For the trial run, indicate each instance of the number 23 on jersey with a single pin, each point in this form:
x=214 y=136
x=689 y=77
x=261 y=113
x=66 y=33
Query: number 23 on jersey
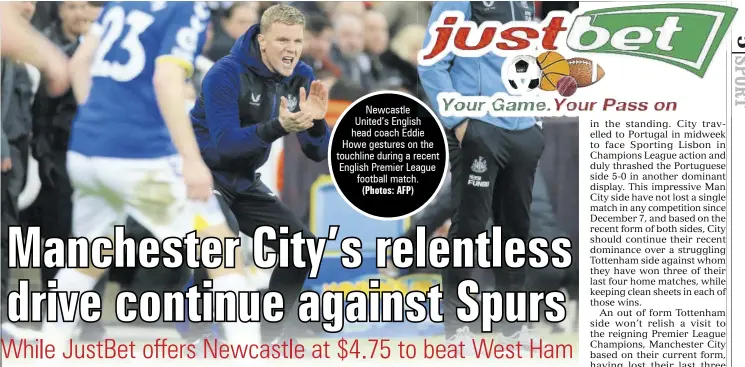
x=114 y=23
x=121 y=55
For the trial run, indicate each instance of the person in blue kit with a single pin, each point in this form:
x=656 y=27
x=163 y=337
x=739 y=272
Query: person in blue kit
x=137 y=156
x=250 y=98
x=493 y=159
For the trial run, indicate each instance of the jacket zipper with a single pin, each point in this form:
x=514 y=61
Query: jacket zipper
x=478 y=70
x=514 y=18
x=275 y=111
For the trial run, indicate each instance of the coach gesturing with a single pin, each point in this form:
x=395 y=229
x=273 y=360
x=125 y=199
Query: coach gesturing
x=257 y=94
x=493 y=159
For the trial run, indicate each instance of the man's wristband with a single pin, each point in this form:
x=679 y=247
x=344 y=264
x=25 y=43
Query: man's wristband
x=270 y=131
x=318 y=129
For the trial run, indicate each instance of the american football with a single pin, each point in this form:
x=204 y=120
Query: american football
x=585 y=71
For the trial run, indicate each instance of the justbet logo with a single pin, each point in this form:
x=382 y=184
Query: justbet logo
x=684 y=35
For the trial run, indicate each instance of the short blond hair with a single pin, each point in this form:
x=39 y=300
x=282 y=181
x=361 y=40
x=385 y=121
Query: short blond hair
x=281 y=13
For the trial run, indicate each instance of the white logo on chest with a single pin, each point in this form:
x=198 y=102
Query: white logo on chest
x=291 y=103
x=255 y=99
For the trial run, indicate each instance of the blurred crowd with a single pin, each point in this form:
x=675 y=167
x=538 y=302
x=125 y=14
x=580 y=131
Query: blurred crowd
x=354 y=47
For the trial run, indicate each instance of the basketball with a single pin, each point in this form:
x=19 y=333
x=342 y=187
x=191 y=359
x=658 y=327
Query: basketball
x=553 y=68
x=566 y=86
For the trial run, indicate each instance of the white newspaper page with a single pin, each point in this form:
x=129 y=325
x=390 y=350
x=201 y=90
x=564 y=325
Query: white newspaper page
x=654 y=88
x=736 y=112
x=655 y=223
x=509 y=183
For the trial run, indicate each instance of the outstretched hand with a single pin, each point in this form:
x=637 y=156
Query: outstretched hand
x=316 y=102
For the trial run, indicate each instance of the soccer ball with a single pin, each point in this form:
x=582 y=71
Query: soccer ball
x=524 y=74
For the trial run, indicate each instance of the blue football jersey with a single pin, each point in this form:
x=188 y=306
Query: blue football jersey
x=121 y=118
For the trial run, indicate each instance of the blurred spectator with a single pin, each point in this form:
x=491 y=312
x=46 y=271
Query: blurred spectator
x=45 y=14
x=239 y=18
x=51 y=131
x=339 y=90
x=348 y=51
x=219 y=5
x=203 y=63
x=376 y=43
x=404 y=13
x=376 y=33
x=402 y=57
x=355 y=8
x=72 y=22
x=315 y=8
x=52 y=120
x=264 y=5
x=17 y=87
x=319 y=34
x=407 y=43
x=228 y=27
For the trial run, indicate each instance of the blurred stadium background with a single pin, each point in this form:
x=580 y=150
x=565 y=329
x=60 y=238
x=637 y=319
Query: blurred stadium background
x=355 y=47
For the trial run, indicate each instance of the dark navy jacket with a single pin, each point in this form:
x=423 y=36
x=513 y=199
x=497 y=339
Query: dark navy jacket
x=236 y=120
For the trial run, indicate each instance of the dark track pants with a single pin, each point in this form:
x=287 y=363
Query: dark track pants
x=256 y=207
x=492 y=177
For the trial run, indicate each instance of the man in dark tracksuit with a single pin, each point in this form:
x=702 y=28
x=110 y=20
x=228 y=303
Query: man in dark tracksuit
x=51 y=132
x=493 y=159
x=249 y=99
x=52 y=122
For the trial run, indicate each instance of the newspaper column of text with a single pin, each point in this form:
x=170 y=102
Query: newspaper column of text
x=657 y=245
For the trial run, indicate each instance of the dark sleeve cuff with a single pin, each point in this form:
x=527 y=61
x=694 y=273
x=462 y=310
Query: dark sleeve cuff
x=270 y=131
x=319 y=128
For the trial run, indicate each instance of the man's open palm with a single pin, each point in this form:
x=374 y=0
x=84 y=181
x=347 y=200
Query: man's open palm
x=316 y=102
